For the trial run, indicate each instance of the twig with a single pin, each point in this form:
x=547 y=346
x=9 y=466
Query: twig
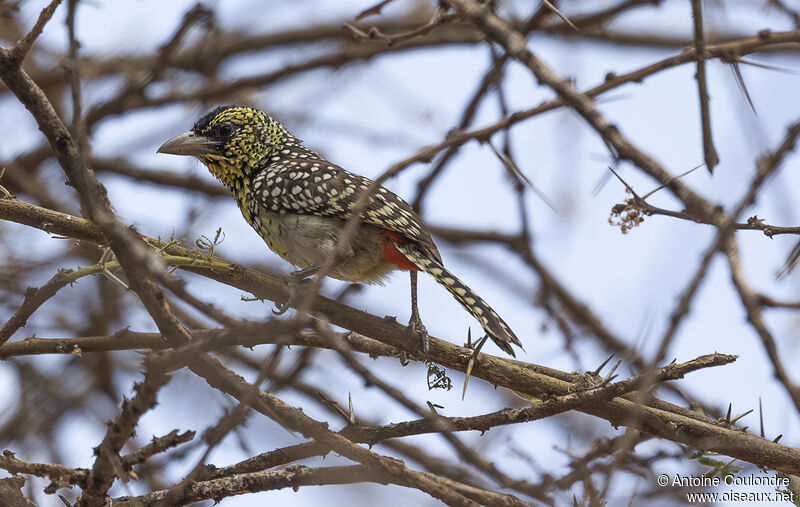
x=709 y=151
x=295 y=476
x=20 y=50
x=108 y=464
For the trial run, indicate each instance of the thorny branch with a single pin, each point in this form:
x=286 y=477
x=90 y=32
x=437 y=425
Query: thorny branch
x=191 y=67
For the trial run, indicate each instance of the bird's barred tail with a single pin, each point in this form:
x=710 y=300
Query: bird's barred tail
x=495 y=327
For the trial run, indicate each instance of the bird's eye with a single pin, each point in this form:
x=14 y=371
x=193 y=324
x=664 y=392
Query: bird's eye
x=224 y=130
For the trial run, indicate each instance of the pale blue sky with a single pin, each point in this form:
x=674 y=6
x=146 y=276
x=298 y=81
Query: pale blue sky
x=410 y=100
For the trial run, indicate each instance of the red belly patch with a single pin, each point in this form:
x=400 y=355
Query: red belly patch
x=392 y=254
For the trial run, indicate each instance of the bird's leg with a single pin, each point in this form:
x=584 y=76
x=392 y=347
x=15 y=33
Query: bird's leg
x=293 y=281
x=415 y=323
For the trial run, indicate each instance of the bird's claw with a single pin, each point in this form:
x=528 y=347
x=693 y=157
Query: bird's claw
x=404 y=358
x=280 y=308
x=418 y=327
x=293 y=280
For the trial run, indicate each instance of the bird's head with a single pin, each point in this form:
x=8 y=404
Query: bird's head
x=230 y=140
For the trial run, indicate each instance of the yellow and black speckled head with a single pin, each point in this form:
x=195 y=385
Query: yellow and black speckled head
x=231 y=141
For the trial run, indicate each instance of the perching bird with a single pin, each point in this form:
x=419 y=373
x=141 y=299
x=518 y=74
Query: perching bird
x=299 y=203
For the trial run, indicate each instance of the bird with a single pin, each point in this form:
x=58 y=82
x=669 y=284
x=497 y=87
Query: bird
x=299 y=203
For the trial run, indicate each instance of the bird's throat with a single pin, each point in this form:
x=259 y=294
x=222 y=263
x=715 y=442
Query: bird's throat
x=229 y=174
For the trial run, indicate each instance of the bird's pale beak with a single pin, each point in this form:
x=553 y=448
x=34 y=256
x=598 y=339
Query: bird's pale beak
x=190 y=144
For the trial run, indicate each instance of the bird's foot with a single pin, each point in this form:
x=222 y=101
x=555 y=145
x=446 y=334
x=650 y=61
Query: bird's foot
x=294 y=281
x=416 y=325
x=404 y=358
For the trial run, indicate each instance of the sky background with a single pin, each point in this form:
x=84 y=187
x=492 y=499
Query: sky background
x=366 y=117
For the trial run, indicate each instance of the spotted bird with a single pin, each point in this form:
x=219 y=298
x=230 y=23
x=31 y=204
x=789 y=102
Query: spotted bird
x=299 y=203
